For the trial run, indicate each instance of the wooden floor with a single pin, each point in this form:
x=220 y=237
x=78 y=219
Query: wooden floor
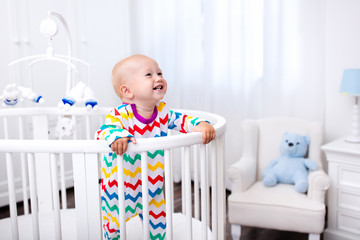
x=248 y=233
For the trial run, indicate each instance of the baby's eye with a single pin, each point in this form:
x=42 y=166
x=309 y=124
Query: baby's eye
x=160 y=74
x=148 y=75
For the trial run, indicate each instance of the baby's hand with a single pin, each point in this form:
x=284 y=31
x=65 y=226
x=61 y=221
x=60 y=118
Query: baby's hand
x=207 y=131
x=119 y=146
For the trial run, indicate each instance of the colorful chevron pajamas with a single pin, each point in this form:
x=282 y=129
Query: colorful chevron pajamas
x=124 y=121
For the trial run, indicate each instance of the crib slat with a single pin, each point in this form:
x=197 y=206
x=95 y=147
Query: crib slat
x=87 y=127
x=204 y=179
x=121 y=189
x=80 y=196
x=73 y=118
x=196 y=182
x=214 y=189
x=24 y=183
x=33 y=198
x=172 y=180
x=42 y=164
x=207 y=185
x=62 y=176
x=55 y=195
x=93 y=200
x=23 y=168
x=168 y=195
x=62 y=181
x=183 y=203
x=220 y=143
x=145 y=194
x=11 y=186
x=12 y=198
x=5 y=128
x=187 y=183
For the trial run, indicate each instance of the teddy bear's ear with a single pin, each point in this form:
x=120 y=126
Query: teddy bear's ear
x=307 y=140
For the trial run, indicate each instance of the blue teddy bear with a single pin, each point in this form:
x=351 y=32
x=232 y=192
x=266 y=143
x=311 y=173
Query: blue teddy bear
x=291 y=167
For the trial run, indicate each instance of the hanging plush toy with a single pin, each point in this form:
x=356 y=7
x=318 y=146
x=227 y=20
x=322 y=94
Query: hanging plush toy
x=65 y=127
x=89 y=100
x=79 y=93
x=13 y=94
x=291 y=167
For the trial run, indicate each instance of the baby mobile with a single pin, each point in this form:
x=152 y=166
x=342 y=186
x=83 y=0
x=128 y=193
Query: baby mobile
x=76 y=92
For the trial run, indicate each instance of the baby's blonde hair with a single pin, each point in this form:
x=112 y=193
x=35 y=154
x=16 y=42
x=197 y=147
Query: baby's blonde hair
x=118 y=76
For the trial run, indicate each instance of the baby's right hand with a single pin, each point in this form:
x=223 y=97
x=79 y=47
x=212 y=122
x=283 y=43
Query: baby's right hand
x=119 y=146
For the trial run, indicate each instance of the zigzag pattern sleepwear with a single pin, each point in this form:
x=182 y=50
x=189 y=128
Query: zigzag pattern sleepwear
x=124 y=121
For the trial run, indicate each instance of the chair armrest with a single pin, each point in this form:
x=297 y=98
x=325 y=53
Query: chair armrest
x=242 y=174
x=319 y=182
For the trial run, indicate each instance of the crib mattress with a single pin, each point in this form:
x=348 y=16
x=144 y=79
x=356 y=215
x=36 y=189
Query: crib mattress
x=68 y=224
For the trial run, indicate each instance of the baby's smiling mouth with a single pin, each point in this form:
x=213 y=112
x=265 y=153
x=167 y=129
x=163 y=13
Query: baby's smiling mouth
x=158 y=87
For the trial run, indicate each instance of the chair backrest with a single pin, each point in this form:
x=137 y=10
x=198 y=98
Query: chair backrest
x=270 y=131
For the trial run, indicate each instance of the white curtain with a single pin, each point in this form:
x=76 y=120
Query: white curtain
x=237 y=58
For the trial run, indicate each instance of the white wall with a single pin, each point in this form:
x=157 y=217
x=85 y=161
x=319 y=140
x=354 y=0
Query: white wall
x=342 y=51
x=101 y=38
x=5 y=40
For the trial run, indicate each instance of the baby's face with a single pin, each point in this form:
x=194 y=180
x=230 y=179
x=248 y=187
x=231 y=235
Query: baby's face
x=146 y=81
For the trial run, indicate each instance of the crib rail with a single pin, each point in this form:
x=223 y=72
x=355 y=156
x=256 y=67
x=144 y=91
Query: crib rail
x=41 y=123
x=85 y=157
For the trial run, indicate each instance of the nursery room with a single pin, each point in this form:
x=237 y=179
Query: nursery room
x=246 y=119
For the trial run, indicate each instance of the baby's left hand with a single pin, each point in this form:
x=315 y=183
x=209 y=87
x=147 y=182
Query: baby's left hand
x=207 y=131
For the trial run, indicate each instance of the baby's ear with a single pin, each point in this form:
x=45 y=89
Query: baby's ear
x=125 y=92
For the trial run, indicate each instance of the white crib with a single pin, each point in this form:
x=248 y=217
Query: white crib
x=39 y=175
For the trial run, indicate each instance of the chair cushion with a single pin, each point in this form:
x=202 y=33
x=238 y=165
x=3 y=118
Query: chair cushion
x=279 y=207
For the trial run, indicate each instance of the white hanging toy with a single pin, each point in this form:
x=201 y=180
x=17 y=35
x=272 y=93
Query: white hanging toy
x=12 y=94
x=64 y=127
x=79 y=93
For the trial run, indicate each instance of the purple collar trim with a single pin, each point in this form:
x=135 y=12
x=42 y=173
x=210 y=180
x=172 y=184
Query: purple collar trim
x=142 y=119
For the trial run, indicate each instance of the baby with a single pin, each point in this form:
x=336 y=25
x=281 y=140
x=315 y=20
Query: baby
x=139 y=83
